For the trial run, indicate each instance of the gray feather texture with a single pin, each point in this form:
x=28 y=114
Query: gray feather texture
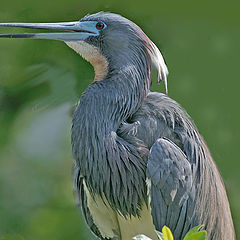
x=172 y=186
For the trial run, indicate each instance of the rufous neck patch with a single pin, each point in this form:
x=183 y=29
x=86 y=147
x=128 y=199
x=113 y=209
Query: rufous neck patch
x=92 y=55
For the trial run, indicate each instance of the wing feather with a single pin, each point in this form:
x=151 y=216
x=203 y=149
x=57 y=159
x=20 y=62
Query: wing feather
x=171 y=187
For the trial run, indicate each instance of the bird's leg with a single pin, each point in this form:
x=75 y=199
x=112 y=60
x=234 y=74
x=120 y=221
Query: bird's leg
x=128 y=131
x=128 y=128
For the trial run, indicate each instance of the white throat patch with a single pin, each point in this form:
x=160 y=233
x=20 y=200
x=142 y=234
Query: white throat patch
x=91 y=54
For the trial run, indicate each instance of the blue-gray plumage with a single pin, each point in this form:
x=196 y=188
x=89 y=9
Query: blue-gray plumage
x=140 y=162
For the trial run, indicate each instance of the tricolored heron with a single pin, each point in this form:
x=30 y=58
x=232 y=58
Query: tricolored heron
x=140 y=162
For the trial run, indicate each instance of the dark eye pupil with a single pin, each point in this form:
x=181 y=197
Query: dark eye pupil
x=99 y=25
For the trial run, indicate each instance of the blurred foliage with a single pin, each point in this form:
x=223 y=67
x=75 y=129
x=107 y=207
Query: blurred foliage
x=196 y=234
x=41 y=80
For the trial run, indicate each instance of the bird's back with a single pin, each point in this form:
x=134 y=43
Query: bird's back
x=160 y=117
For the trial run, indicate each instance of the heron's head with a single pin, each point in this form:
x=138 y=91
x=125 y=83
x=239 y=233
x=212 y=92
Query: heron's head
x=108 y=41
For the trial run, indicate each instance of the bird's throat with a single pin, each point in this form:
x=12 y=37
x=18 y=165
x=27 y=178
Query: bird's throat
x=92 y=55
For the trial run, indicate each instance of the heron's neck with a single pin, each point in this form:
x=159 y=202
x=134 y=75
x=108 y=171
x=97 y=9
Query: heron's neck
x=103 y=157
x=106 y=104
x=134 y=62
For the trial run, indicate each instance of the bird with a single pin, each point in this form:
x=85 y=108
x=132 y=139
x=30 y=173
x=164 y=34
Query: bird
x=139 y=160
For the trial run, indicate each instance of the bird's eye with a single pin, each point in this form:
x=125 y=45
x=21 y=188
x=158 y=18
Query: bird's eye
x=100 y=25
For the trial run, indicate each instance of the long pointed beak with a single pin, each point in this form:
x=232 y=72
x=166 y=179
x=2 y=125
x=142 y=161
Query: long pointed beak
x=72 y=30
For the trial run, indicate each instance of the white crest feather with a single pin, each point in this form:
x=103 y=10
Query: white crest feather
x=159 y=64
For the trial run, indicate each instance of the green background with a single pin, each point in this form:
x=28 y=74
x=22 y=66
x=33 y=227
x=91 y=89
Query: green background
x=41 y=80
